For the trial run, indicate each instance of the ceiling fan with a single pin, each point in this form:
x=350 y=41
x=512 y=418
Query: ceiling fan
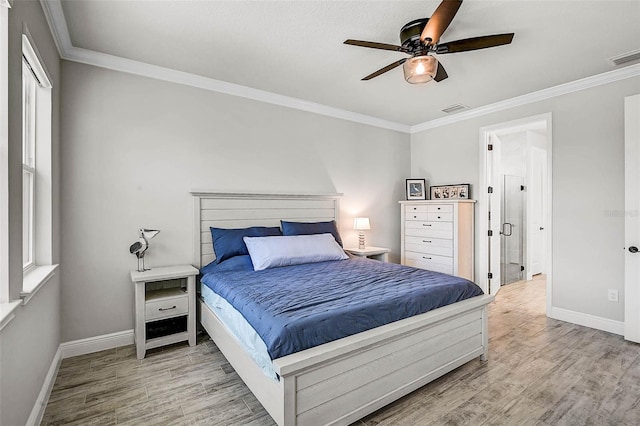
x=420 y=39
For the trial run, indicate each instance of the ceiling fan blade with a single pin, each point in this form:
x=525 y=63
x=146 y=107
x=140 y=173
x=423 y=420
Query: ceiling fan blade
x=475 y=43
x=385 y=69
x=439 y=21
x=375 y=45
x=441 y=74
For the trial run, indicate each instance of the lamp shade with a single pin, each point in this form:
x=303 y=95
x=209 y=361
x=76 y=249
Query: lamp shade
x=420 y=69
x=361 y=223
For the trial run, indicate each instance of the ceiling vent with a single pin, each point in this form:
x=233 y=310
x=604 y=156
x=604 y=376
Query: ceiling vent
x=454 y=108
x=634 y=55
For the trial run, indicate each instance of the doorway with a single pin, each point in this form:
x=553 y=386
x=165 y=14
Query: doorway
x=515 y=203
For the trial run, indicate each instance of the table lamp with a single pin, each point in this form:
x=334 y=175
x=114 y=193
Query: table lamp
x=361 y=224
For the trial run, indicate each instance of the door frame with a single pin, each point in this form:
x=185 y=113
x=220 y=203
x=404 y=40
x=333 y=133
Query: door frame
x=632 y=221
x=489 y=166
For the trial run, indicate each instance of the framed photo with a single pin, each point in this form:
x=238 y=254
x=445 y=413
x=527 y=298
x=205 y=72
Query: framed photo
x=416 y=189
x=460 y=191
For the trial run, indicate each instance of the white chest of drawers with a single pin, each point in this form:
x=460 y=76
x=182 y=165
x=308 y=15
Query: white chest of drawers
x=438 y=235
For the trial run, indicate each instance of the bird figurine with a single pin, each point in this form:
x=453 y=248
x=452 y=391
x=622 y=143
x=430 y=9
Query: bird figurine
x=140 y=247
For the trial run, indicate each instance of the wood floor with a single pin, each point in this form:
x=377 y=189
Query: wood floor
x=540 y=372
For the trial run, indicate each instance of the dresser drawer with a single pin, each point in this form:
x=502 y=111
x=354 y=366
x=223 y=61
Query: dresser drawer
x=440 y=208
x=442 y=230
x=440 y=217
x=445 y=268
x=416 y=209
x=437 y=246
x=411 y=216
x=166 y=308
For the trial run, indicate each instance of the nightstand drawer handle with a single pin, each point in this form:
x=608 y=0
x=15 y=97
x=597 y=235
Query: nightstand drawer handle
x=426 y=241
x=167 y=309
x=425 y=257
x=426 y=224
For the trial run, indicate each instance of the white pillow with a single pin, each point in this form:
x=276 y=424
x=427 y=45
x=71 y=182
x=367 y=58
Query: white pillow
x=271 y=252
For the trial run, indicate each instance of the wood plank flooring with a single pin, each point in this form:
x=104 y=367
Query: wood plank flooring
x=540 y=372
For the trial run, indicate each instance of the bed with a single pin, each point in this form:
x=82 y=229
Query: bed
x=343 y=380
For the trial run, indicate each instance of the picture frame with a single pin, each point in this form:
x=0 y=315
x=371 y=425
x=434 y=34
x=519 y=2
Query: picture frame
x=459 y=191
x=416 y=189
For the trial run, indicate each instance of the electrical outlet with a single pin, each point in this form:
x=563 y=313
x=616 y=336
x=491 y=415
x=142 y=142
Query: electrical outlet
x=613 y=295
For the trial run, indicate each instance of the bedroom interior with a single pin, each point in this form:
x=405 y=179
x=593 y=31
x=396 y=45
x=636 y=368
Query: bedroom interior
x=141 y=119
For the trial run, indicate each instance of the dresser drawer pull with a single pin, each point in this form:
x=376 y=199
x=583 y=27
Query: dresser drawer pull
x=438 y=208
x=426 y=241
x=167 y=309
x=438 y=217
x=426 y=257
x=426 y=224
x=415 y=208
x=415 y=217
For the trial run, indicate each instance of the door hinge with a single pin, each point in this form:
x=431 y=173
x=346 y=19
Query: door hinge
x=490 y=233
x=490 y=275
x=490 y=147
x=490 y=189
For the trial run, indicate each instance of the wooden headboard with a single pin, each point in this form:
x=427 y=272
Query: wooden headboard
x=240 y=210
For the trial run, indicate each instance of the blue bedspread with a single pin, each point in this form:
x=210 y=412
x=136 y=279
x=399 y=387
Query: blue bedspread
x=298 y=307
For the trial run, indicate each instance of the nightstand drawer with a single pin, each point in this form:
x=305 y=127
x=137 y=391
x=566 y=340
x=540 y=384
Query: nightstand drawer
x=166 y=308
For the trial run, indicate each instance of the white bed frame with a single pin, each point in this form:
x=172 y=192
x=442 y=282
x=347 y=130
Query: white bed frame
x=344 y=380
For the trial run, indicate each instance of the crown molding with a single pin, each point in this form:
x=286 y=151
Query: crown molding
x=58 y=25
x=529 y=98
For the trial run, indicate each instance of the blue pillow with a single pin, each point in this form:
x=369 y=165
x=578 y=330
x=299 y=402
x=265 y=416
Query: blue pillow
x=310 y=228
x=228 y=243
x=237 y=263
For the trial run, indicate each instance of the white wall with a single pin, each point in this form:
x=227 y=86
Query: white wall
x=133 y=147
x=28 y=344
x=588 y=184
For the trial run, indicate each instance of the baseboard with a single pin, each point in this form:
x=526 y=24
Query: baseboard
x=43 y=398
x=96 y=344
x=588 y=320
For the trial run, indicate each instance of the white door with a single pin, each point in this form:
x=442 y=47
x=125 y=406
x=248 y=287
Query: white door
x=495 y=213
x=632 y=218
x=536 y=208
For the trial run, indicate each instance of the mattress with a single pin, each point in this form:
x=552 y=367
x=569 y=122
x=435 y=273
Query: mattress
x=297 y=307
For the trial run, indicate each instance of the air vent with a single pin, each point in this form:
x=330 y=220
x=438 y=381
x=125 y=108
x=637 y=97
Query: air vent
x=634 y=55
x=454 y=108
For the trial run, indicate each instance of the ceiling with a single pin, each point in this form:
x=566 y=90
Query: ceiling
x=294 y=48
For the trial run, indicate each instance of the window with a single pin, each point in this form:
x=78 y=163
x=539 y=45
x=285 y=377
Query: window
x=29 y=100
x=37 y=214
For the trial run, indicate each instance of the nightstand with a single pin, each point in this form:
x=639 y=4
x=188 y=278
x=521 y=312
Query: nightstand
x=165 y=306
x=377 y=253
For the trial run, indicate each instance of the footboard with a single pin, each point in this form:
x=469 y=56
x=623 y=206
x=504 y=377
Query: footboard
x=342 y=381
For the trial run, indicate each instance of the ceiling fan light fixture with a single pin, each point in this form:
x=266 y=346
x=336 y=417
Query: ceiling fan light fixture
x=420 y=69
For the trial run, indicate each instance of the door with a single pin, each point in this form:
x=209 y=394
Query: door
x=512 y=232
x=535 y=194
x=494 y=196
x=632 y=218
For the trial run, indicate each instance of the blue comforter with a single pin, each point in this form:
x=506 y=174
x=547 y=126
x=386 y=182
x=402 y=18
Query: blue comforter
x=298 y=307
